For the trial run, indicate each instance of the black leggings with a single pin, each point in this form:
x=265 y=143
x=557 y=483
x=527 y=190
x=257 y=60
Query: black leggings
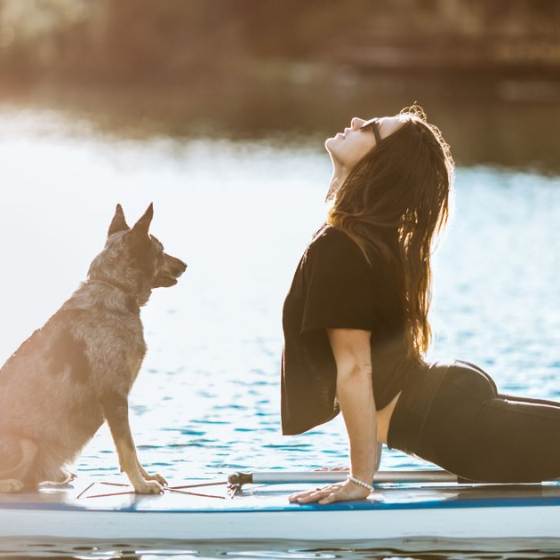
x=471 y=430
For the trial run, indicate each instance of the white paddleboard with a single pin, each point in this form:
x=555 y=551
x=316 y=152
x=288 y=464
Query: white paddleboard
x=205 y=511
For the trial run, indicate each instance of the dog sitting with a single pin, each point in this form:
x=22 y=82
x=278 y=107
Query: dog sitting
x=76 y=371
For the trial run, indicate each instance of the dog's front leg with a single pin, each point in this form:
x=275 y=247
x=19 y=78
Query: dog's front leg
x=115 y=409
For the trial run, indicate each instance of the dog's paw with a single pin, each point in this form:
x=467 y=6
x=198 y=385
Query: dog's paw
x=148 y=487
x=157 y=477
x=70 y=476
x=11 y=485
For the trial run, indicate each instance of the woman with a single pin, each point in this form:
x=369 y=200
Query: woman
x=356 y=325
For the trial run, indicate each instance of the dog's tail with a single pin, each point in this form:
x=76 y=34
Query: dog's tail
x=23 y=451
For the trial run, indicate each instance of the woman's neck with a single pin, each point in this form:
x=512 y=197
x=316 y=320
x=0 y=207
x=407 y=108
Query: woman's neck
x=337 y=179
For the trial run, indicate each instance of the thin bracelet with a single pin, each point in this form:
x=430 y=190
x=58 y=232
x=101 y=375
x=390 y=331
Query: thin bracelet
x=359 y=482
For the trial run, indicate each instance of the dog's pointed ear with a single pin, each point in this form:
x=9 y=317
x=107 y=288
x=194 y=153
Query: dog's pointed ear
x=118 y=223
x=143 y=224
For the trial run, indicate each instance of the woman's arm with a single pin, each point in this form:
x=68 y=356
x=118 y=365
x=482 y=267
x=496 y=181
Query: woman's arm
x=354 y=389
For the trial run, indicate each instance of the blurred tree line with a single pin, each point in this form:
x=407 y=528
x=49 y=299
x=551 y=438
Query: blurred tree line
x=293 y=68
x=179 y=41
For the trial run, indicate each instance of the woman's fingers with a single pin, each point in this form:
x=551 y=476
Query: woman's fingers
x=344 y=493
x=311 y=495
x=330 y=499
x=336 y=496
x=330 y=494
x=299 y=496
x=312 y=490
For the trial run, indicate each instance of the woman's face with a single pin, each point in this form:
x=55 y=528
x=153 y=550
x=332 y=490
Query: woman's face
x=349 y=147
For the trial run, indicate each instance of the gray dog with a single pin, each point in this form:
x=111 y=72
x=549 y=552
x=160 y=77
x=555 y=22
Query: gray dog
x=77 y=371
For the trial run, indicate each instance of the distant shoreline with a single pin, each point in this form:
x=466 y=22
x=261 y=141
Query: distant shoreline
x=505 y=123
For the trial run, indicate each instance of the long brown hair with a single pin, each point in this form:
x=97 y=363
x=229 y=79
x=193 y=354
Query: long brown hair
x=393 y=203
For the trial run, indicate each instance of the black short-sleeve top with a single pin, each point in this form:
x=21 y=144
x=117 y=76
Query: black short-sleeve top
x=334 y=286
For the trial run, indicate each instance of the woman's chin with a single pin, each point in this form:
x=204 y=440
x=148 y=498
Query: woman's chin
x=330 y=143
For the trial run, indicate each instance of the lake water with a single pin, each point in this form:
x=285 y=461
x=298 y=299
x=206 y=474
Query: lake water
x=240 y=214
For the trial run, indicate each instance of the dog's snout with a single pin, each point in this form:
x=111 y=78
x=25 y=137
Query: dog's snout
x=178 y=266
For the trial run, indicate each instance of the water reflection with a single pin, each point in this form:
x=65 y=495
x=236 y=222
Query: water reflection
x=496 y=122
x=409 y=550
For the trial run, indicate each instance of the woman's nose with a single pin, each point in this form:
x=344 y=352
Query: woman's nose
x=356 y=122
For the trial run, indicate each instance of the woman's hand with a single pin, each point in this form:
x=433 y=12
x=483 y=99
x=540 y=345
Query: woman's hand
x=341 y=492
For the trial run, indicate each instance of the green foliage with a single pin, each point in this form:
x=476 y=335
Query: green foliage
x=176 y=41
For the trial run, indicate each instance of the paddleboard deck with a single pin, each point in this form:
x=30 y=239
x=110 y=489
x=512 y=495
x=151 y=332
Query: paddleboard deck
x=205 y=511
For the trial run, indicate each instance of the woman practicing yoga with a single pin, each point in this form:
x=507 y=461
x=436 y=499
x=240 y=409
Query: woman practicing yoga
x=356 y=325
